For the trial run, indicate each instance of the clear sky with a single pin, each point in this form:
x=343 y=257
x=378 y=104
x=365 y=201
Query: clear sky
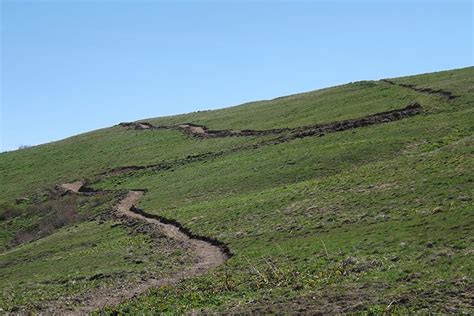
x=72 y=66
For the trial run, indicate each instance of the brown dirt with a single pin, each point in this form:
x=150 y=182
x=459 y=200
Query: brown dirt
x=210 y=253
x=378 y=118
x=137 y=125
x=72 y=187
x=193 y=129
x=298 y=132
x=282 y=135
x=208 y=256
x=436 y=92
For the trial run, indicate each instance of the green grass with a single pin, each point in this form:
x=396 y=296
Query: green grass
x=79 y=259
x=387 y=212
x=321 y=106
x=373 y=218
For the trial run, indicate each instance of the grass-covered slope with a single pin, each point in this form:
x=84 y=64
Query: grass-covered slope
x=374 y=218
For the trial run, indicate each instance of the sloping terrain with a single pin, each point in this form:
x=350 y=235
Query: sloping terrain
x=351 y=198
x=208 y=255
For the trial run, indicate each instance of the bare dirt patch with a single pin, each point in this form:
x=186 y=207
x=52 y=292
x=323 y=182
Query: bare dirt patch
x=137 y=125
x=72 y=187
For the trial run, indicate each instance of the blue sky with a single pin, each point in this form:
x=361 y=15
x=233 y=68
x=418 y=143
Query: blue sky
x=72 y=66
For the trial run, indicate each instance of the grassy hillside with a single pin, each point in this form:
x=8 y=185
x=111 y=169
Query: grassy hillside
x=375 y=218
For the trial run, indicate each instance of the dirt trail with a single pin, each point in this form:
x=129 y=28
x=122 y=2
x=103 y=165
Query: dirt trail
x=137 y=125
x=282 y=135
x=447 y=95
x=295 y=132
x=209 y=256
x=193 y=129
x=210 y=253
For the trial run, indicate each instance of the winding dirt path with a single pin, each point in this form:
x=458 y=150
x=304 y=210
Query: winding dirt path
x=295 y=132
x=208 y=255
x=317 y=130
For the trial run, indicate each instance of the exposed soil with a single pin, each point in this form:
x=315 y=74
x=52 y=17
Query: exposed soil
x=71 y=187
x=203 y=131
x=193 y=129
x=209 y=252
x=379 y=118
x=297 y=132
x=137 y=125
x=282 y=135
x=436 y=92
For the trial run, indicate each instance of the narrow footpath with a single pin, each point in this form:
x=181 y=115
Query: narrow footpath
x=208 y=255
